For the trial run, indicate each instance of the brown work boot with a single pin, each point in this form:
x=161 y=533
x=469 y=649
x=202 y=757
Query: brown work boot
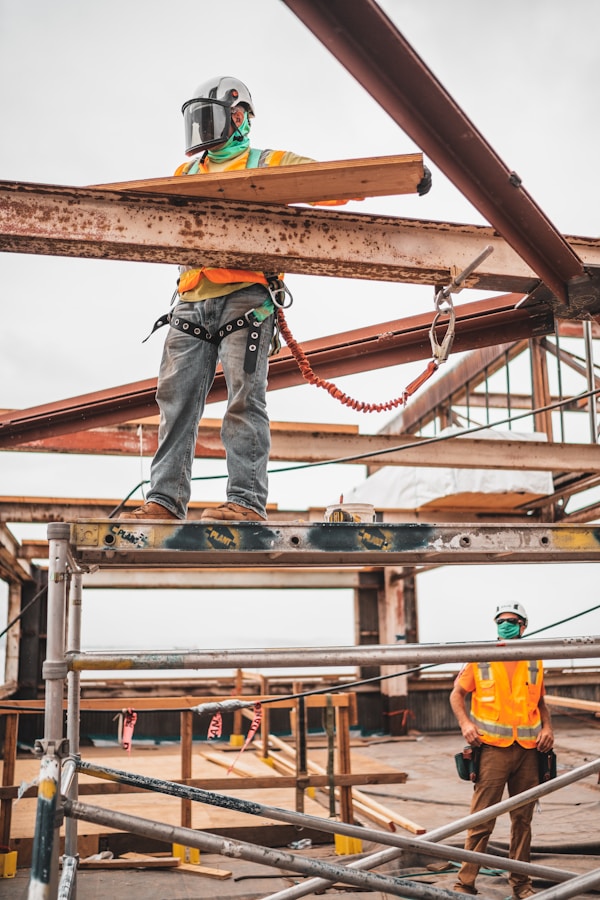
x=522 y=893
x=230 y=512
x=460 y=888
x=148 y=510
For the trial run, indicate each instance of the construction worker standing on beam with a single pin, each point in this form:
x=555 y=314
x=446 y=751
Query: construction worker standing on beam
x=510 y=724
x=221 y=315
x=224 y=315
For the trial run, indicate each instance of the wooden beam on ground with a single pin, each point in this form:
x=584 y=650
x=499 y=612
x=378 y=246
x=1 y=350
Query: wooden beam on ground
x=347 y=179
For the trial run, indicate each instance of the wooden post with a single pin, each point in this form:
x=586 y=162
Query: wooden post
x=8 y=775
x=344 y=766
x=540 y=387
x=301 y=762
x=186 y=763
x=237 y=739
x=266 y=719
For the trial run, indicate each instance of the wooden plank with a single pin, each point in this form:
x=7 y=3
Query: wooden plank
x=132 y=861
x=206 y=871
x=9 y=758
x=243 y=783
x=573 y=703
x=347 y=179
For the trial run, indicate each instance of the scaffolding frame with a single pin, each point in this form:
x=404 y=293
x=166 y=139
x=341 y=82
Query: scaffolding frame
x=60 y=763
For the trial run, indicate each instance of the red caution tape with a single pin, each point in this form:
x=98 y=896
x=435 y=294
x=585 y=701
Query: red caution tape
x=251 y=732
x=129 y=720
x=215 y=728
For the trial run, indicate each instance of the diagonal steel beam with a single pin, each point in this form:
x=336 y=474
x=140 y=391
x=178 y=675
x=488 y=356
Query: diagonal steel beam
x=390 y=343
x=372 y=49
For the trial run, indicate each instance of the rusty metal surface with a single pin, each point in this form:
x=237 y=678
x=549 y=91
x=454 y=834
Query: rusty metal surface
x=391 y=343
x=372 y=49
x=83 y=222
x=147 y=543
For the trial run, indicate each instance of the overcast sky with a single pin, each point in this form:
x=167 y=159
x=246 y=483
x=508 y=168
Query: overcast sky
x=92 y=93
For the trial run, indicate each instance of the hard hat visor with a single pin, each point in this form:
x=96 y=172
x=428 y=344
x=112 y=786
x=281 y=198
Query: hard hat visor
x=206 y=123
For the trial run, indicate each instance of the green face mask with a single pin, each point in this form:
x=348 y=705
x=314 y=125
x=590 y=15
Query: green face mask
x=236 y=144
x=508 y=630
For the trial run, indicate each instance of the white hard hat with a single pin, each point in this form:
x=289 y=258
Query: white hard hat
x=515 y=608
x=207 y=116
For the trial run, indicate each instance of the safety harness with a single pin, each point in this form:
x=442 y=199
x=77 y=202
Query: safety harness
x=253 y=318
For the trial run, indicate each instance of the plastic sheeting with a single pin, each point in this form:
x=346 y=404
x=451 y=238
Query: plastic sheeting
x=399 y=487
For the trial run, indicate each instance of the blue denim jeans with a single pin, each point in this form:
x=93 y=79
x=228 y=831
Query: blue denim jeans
x=186 y=374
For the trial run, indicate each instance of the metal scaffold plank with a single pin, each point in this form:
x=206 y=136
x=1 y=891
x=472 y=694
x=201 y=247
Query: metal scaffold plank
x=122 y=543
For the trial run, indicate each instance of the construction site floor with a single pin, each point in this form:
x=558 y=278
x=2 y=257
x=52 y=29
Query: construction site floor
x=565 y=828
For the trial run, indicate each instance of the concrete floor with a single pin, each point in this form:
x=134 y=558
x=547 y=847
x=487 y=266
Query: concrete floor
x=565 y=829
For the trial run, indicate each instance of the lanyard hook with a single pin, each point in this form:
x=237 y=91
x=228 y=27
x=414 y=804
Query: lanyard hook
x=445 y=307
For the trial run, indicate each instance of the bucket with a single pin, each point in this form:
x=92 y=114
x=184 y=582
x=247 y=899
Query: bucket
x=350 y=512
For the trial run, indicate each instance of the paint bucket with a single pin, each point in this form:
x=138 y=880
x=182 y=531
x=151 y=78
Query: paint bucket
x=350 y=512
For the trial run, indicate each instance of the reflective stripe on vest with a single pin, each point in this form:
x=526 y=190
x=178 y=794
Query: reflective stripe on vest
x=505 y=713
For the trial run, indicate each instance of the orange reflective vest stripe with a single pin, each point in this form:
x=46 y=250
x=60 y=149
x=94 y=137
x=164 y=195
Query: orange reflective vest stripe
x=190 y=278
x=506 y=713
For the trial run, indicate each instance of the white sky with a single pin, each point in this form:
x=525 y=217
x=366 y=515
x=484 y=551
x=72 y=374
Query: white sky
x=91 y=93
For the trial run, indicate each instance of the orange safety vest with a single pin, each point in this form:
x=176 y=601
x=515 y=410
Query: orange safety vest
x=190 y=278
x=504 y=713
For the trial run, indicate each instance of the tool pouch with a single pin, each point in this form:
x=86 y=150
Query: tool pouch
x=546 y=765
x=467 y=763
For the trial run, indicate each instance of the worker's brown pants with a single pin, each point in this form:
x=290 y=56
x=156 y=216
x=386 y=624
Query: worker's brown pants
x=499 y=766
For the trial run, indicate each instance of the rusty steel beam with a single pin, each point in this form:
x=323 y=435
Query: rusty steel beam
x=373 y=50
x=97 y=224
x=391 y=343
x=295 y=443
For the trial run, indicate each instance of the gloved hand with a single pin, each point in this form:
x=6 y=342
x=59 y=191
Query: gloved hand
x=424 y=186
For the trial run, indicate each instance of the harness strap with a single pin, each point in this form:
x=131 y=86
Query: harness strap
x=252 y=320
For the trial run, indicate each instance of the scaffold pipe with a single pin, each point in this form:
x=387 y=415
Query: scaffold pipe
x=584 y=647
x=304 y=820
x=213 y=843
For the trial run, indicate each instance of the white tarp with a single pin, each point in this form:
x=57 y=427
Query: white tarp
x=402 y=487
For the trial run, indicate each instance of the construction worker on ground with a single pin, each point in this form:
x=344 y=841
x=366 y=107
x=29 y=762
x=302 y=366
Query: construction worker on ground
x=510 y=722
x=224 y=315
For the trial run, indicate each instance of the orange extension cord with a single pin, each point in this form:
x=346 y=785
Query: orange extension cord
x=360 y=406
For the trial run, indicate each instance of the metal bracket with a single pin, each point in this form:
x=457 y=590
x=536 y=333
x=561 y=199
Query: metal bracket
x=42 y=747
x=583 y=297
x=54 y=671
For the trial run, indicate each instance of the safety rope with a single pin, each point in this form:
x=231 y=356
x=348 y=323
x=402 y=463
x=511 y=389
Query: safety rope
x=440 y=350
x=311 y=376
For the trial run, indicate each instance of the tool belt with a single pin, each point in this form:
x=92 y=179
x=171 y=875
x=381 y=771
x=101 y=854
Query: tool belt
x=467 y=763
x=252 y=320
